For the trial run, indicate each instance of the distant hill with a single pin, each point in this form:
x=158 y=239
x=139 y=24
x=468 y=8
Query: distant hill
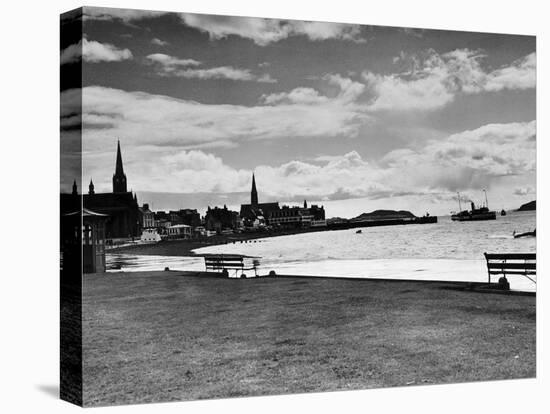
x=384 y=215
x=530 y=206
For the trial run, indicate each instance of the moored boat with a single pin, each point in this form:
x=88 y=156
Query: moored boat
x=526 y=234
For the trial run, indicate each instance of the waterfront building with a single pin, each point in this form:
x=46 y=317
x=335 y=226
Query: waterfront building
x=147 y=217
x=179 y=231
x=188 y=216
x=298 y=217
x=220 y=219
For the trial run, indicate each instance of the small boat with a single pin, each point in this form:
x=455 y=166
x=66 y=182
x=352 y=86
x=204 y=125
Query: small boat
x=502 y=212
x=359 y=231
x=526 y=234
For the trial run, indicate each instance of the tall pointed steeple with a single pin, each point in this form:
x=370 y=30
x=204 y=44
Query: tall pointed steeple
x=254 y=192
x=119 y=178
x=75 y=188
x=91 y=187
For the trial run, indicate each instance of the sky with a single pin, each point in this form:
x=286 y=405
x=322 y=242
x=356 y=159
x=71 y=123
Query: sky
x=354 y=117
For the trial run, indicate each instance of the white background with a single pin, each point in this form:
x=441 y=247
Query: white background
x=29 y=163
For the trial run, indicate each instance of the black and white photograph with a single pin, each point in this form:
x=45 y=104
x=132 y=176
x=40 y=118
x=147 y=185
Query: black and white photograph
x=264 y=206
x=274 y=207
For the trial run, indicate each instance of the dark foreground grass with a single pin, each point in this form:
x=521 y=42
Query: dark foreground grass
x=164 y=336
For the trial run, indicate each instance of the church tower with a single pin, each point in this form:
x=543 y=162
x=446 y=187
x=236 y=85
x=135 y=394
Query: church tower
x=254 y=193
x=91 y=188
x=119 y=178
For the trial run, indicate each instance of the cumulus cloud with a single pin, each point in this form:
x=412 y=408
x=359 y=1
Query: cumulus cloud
x=171 y=66
x=159 y=42
x=433 y=80
x=470 y=159
x=466 y=162
x=521 y=74
x=166 y=121
x=265 y=31
x=94 y=52
x=348 y=92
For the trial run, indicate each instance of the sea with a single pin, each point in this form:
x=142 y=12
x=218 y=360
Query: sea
x=446 y=250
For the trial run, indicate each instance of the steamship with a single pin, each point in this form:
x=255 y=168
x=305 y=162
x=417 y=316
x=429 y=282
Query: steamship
x=475 y=214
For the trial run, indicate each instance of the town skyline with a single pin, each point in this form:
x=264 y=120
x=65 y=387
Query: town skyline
x=364 y=117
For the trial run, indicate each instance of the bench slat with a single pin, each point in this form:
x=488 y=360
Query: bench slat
x=511 y=256
x=503 y=266
x=223 y=261
x=512 y=272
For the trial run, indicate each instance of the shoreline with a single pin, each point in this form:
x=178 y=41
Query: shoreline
x=185 y=247
x=414 y=269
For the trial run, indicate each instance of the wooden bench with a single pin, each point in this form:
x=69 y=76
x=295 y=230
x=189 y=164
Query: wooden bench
x=236 y=262
x=512 y=264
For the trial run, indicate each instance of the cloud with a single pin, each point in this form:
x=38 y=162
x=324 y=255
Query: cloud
x=171 y=66
x=298 y=95
x=223 y=72
x=465 y=162
x=159 y=42
x=261 y=30
x=433 y=80
x=125 y=15
x=94 y=52
x=522 y=74
x=265 y=31
x=170 y=63
x=523 y=191
x=160 y=120
x=348 y=92
x=470 y=159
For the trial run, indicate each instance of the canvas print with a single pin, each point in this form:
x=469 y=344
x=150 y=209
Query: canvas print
x=255 y=206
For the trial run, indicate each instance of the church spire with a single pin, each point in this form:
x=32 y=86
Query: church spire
x=119 y=178
x=254 y=192
x=91 y=187
x=75 y=188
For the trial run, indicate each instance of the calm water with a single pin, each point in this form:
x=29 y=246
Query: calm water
x=443 y=251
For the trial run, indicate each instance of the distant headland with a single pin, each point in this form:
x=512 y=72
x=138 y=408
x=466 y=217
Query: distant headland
x=530 y=206
x=385 y=214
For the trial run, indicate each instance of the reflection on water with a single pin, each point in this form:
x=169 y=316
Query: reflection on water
x=134 y=263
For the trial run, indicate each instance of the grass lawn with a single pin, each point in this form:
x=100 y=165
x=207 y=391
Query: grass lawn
x=162 y=336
